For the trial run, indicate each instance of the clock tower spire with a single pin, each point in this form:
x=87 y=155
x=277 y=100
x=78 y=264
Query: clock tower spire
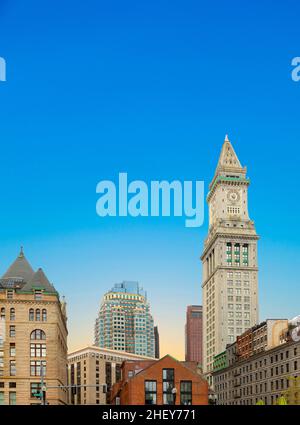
x=229 y=287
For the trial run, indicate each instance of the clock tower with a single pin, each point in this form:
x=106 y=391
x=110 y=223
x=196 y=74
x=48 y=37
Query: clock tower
x=229 y=259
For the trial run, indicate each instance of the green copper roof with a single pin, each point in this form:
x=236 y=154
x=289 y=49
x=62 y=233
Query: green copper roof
x=238 y=179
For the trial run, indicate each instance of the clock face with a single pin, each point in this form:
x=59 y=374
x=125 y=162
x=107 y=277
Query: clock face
x=233 y=196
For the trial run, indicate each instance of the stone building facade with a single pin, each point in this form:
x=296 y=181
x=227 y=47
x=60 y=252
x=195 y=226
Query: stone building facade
x=33 y=337
x=96 y=370
x=230 y=269
x=265 y=376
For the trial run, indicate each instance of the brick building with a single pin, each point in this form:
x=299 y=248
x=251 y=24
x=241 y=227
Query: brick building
x=160 y=382
x=261 y=366
x=262 y=337
x=193 y=334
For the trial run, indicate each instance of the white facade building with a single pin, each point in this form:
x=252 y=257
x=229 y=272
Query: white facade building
x=230 y=270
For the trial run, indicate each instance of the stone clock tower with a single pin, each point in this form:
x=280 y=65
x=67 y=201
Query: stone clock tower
x=230 y=271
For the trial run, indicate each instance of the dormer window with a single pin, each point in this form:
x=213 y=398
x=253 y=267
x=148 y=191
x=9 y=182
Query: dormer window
x=10 y=294
x=37 y=294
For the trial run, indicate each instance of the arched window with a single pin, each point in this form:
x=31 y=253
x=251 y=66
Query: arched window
x=12 y=314
x=44 y=315
x=38 y=315
x=38 y=334
x=2 y=313
x=31 y=315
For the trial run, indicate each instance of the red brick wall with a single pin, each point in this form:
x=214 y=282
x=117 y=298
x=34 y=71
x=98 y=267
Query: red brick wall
x=133 y=391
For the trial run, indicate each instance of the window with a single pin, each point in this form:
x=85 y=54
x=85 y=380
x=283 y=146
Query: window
x=10 y=294
x=130 y=374
x=37 y=350
x=233 y=210
x=38 y=315
x=245 y=255
x=186 y=393
x=37 y=368
x=229 y=253
x=12 y=350
x=31 y=315
x=12 y=331
x=35 y=389
x=1 y=398
x=150 y=392
x=38 y=334
x=118 y=372
x=12 y=398
x=168 y=386
x=37 y=294
x=44 y=315
x=12 y=314
x=12 y=368
x=237 y=254
x=2 y=313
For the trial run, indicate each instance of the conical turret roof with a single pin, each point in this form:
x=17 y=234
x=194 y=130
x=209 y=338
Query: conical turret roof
x=39 y=280
x=20 y=269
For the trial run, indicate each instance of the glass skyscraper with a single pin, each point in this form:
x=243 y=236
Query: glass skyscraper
x=124 y=322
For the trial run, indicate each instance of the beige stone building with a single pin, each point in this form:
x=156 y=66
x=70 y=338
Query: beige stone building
x=92 y=371
x=265 y=376
x=33 y=337
x=230 y=271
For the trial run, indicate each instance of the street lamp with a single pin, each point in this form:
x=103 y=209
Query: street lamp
x=174 y=392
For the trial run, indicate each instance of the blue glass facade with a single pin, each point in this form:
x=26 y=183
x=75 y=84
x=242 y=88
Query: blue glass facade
x=125 y=322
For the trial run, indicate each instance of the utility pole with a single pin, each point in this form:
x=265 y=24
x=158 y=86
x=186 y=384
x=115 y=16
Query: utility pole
x=43 y=386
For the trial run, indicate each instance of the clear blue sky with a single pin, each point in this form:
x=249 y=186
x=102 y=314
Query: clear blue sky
x=150 y=88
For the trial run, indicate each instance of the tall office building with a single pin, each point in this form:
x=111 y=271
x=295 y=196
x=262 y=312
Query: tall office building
x=156 y=342
x=33 y=337
x=230 y=271
x=124 y=322
x=193 y=334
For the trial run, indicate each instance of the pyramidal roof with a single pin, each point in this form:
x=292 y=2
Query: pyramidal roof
x=228 y=157
x=39 y=280
x=20 y=269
